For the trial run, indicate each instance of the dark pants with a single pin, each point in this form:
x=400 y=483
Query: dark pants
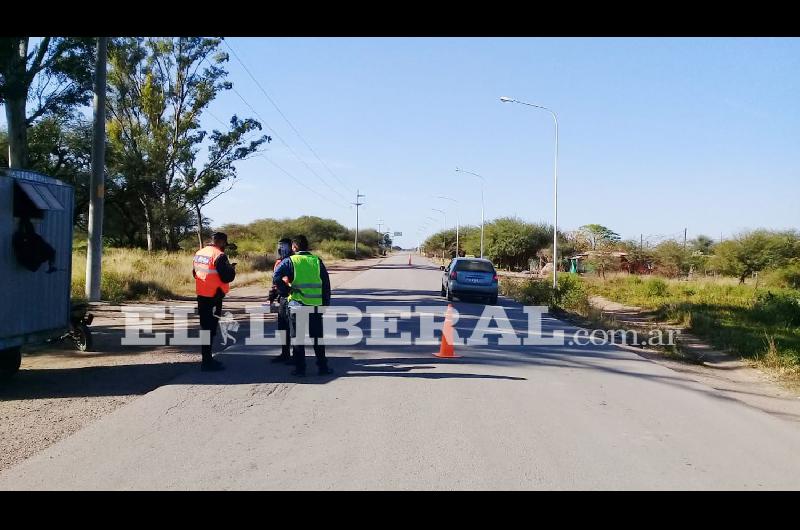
x=207 y=307
x=284 y=325
x=315 y=332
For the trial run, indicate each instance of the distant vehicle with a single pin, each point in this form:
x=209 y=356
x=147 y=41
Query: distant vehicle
x=470 y=278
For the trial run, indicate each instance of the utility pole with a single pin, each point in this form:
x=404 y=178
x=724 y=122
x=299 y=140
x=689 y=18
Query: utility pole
x=641 y=243
x=684 y=239
x=357 y=204
x=380 y=223
x=94 y=252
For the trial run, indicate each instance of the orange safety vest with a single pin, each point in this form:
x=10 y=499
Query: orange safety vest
x=206 y=279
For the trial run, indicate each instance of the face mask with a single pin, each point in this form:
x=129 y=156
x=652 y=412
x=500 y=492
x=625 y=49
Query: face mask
x=284 y=250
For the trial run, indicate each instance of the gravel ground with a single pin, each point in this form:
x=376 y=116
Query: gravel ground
x=59 y=391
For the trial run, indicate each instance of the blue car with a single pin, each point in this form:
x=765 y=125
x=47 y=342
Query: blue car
x=470 y=277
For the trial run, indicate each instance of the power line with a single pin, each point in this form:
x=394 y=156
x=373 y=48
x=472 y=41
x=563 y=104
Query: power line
x=286 y=172
x=279 y=137
x=284 y=116
x=301 y=182
x=274 y=133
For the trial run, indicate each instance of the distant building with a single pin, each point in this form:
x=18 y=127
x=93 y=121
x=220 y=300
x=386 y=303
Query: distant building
x=618 y=260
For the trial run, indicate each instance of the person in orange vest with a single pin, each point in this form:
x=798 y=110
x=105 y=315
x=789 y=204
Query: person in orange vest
x=284 y=251
x=213 y=274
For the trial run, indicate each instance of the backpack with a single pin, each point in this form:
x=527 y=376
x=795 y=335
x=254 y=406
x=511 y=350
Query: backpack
x=30 y=249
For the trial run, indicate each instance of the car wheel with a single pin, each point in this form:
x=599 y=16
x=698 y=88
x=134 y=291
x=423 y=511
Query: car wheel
x=443 y=291
x=493 y=300
x=81 y=337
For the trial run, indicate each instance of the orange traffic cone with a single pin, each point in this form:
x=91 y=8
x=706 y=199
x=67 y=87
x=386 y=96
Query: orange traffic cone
x=446 y=350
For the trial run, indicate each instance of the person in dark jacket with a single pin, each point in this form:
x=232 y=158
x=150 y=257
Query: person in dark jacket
x=213 y=274
x=284 y=251
x=310 y=286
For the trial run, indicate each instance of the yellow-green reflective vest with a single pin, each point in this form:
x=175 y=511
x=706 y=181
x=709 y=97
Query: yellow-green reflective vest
x=307 y=283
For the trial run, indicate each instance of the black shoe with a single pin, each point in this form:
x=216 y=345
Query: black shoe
x=298 y=373
x=281 y=359
x=212 y=366
x=325 y=371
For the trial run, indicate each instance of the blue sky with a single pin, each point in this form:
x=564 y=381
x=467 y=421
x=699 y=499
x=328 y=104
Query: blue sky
x=655 y=134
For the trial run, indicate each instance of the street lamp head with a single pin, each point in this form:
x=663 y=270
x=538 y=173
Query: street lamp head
x=505 y=99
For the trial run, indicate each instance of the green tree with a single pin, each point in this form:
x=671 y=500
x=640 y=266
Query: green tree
x=55 y=75
x=702 y=244
x=440 y=244
x=511 y=242
x=598 y=235
x=369 y=237
x=671 y=257
x=386 y=242
x=62 y=148
x=158 y=89
x=754 y=251
x=639 y=256
x=603 y=261
x=470 y=240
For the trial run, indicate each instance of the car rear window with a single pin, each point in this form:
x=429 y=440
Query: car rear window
x=474 y=266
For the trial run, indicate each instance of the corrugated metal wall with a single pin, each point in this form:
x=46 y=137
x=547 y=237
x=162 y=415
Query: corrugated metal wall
x=35 y=301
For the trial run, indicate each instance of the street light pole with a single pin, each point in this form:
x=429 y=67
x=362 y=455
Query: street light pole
x=458 y=222
x=444 y=229
x=483 y=181
x=420 y=233
x=425 y=226
x=555 y=185
x=357 y=204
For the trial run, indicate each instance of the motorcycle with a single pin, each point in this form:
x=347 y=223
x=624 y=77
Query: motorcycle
x=79 y=333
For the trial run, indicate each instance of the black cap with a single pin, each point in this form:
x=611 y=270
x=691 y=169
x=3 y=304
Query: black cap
x=220 y=235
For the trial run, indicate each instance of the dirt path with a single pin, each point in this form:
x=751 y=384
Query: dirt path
x=735 y=377
x=59 y=391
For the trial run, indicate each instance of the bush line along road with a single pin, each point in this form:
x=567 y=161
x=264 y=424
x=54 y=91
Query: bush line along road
x=397 y=417
x=740 y=294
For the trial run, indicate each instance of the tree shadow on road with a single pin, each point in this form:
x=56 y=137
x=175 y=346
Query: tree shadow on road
x=257 y=369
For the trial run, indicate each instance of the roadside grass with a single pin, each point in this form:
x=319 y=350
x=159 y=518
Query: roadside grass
x=758 y=323
x=571 y=303
x=135 y=274
x=132 y=274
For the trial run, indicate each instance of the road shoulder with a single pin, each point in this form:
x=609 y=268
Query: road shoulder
x=60 y=391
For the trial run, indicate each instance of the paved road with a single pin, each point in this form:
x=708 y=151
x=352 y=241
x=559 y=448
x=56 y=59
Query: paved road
x=395 y=417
